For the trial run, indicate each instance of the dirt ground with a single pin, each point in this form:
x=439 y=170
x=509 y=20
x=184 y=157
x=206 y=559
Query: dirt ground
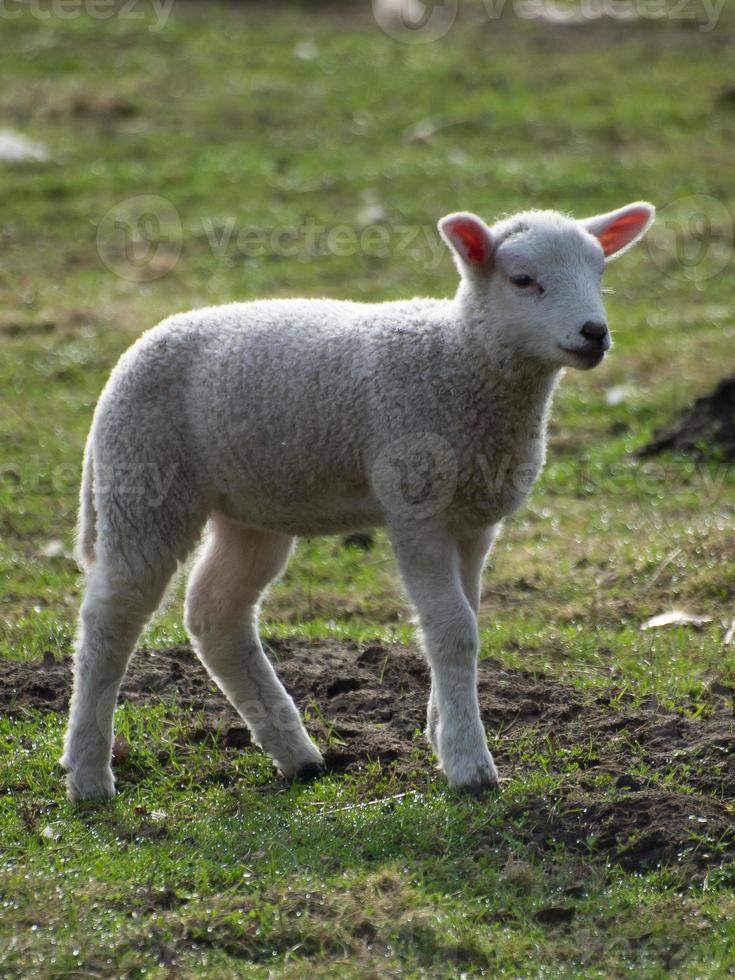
x=368 y=702
x=706 y=429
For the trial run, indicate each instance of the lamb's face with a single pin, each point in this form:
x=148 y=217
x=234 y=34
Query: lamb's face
x=546 y=287
x=538 y=275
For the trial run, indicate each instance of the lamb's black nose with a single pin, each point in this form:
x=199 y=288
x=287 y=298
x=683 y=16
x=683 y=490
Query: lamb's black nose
x=596 y=333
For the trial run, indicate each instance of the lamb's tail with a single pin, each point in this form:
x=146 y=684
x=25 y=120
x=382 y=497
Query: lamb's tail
x=87 y=524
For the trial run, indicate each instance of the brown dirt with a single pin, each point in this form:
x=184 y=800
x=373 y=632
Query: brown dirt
x=705 y=429
x=373 y=700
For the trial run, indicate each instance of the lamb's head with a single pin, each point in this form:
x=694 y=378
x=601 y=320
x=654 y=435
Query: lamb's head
x=534 y=280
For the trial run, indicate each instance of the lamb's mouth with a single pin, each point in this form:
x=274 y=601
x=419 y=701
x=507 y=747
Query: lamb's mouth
x=588 y=356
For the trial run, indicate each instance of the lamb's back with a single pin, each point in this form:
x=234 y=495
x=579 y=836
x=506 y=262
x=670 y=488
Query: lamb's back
x=285 y=400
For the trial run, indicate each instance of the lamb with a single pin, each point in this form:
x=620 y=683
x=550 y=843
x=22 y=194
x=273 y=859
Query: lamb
x=275 y=419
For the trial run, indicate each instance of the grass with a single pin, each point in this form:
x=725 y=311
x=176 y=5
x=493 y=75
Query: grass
x=255 y=877
x=281 y=117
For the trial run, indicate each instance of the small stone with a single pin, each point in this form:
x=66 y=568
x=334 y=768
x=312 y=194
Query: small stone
x=53 y=549
x=121 y=749
x=306 y=51
x=16 y=148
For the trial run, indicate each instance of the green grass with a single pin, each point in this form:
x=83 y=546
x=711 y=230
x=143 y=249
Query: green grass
x=218 y=115
x=255 y=876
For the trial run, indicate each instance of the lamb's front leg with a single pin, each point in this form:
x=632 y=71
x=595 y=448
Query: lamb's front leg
x=429 y=560
x=474 y=547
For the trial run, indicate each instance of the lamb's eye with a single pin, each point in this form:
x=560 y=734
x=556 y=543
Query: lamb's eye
x=522 y=281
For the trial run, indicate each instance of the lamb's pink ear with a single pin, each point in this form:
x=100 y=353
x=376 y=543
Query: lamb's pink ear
x=469 y=237
x=618 y=230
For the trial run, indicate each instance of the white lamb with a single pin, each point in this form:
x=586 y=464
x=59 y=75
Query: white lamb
x=305 y=417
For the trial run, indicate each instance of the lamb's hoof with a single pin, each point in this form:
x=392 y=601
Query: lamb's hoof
x=310 y=772
x=476 y=780
x=90 y=786
x=479 y=788
x=303 y=764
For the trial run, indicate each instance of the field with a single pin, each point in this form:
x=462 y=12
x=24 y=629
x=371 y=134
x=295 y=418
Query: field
x=243 y=150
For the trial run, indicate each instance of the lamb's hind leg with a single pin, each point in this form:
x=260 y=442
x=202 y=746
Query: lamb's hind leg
x=236 y=565
x=116 y=605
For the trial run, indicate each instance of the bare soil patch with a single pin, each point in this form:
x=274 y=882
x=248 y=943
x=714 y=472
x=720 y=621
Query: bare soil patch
x=640 y=785
x=705 y=429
